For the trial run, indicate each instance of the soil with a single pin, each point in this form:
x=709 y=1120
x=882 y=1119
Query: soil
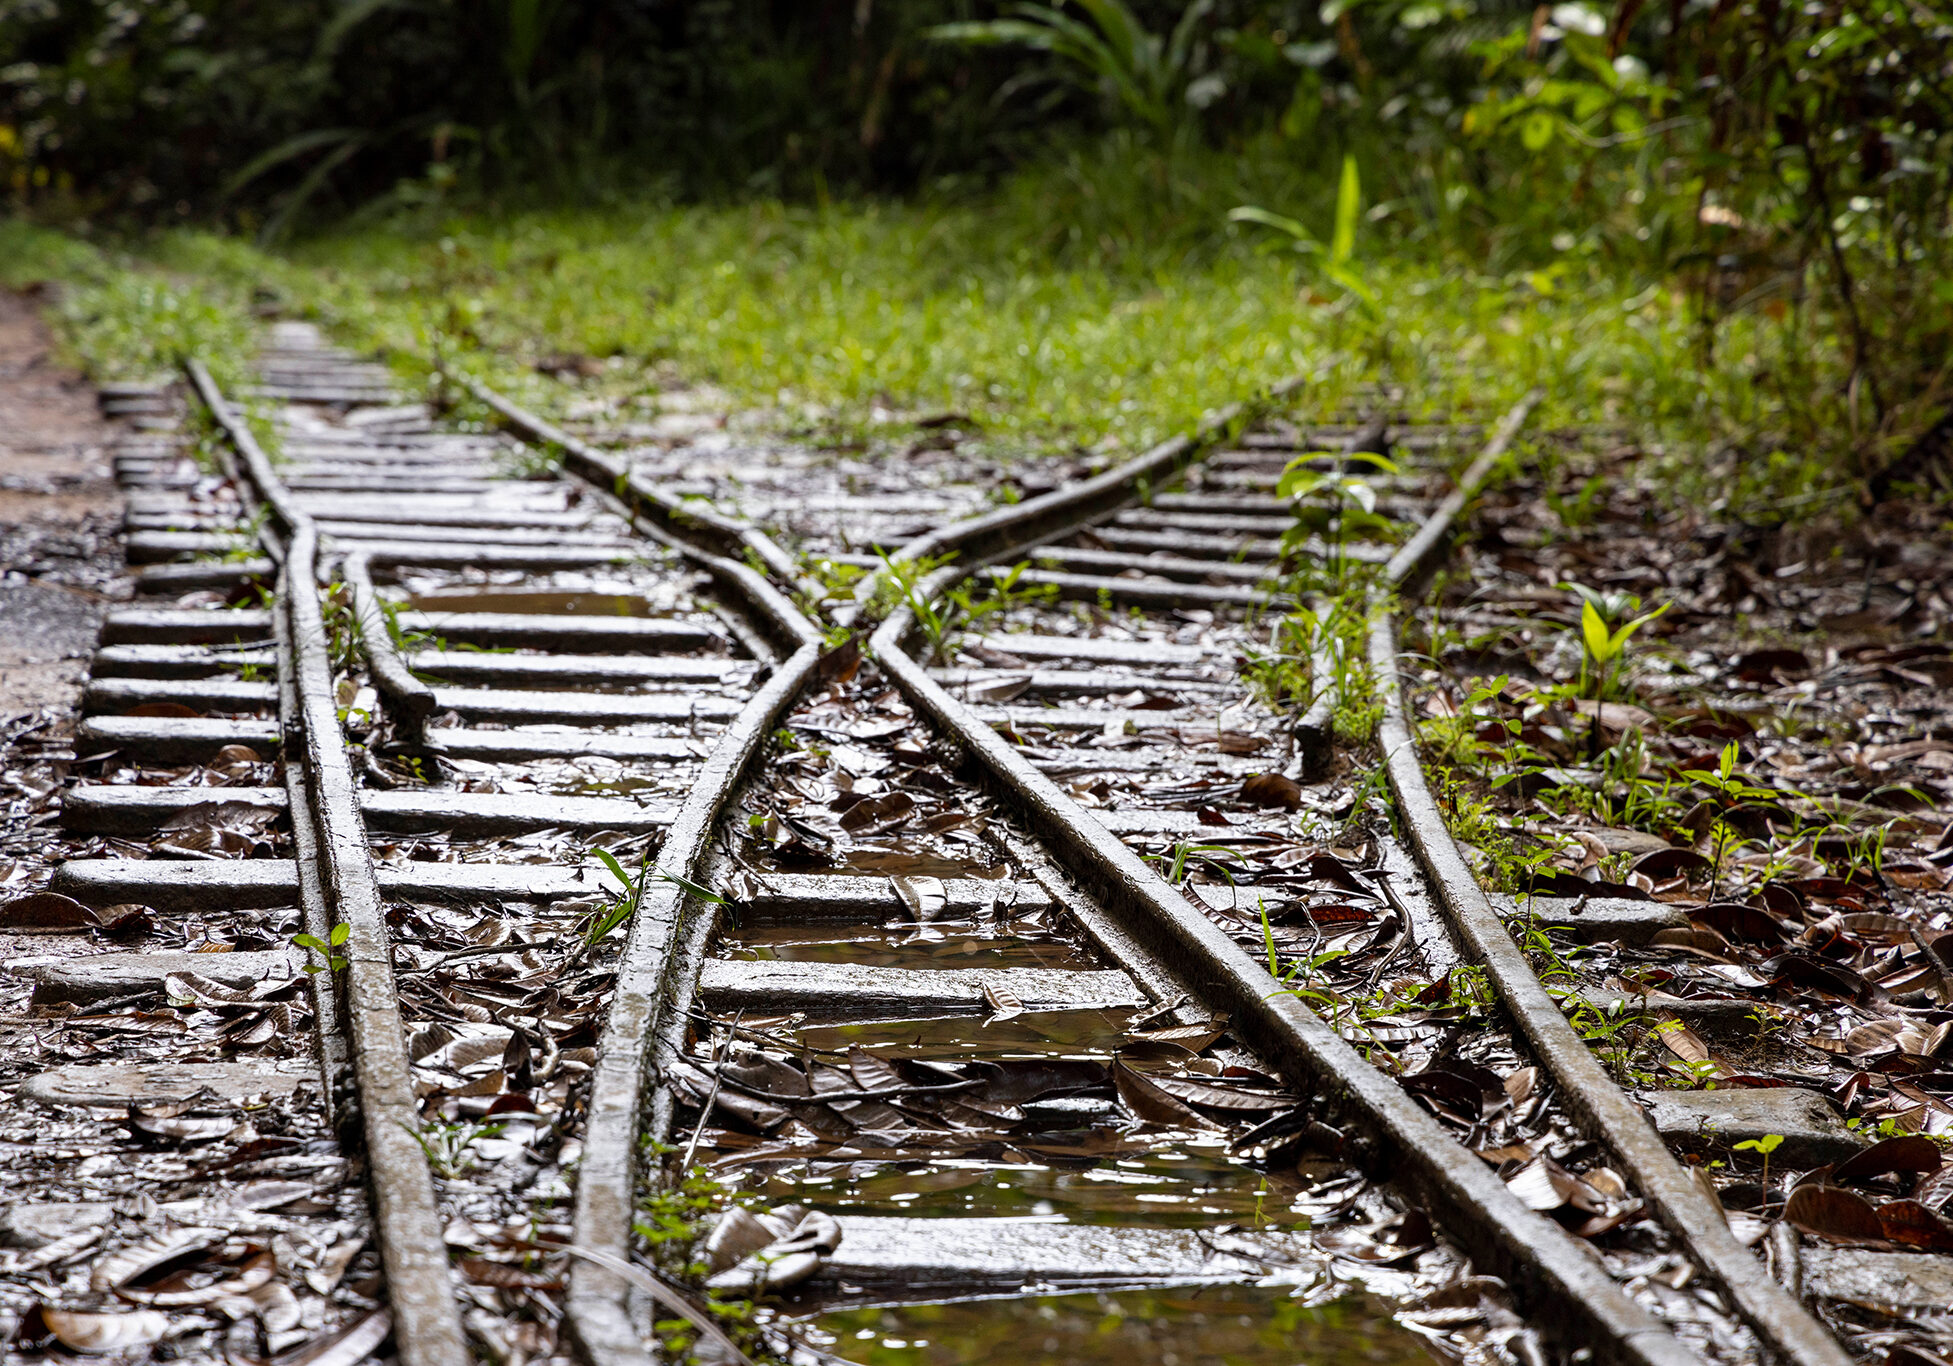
x=59 y=511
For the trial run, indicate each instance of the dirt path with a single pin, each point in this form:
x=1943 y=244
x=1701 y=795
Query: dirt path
x=59 y=509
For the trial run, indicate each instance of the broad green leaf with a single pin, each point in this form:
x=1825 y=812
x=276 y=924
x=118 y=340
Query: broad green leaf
x=686 y=884
x=1620 y=638
x=1349 y=204
x=616 y=868
x=1354 y=283
x=1593 y=631
x=1250 y=213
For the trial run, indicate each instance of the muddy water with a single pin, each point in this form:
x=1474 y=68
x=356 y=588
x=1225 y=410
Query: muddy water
x=1191 y=1184
x=552 y=604
x=1192 y=1326
x=903 y=945
x=1067 y=1160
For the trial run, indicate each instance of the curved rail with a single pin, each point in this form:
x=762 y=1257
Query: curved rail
x=426 y=1325
x=1438 y=1167
x=1143 y=921
x=656 y=974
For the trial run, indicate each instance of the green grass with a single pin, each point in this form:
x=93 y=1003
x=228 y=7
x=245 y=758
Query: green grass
x=824 y=314
x=133 y=315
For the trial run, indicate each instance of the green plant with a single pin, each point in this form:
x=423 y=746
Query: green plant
x=1730 y=789
x=1616 y=1032
x=1000 y=594
x=342 y=631
x=1349 y=504
x=543 y=460
x=1151 y=79
x=247 y=547
x=1214 y=856
x=1765 y=1145
x=447 y=1146
x=623 y=906
x=1336 y=258
x=1471 y=989
x=1602 y=642
x=901 y=584
x=328 y=949
x=1768 y=1024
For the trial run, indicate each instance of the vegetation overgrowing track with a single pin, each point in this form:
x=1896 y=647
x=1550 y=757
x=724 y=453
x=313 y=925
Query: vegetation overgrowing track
x=521 y=738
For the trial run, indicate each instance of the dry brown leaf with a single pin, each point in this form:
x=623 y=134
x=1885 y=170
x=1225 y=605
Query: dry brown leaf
x=1833 y=1213
x=1272 y=789
x=1151 y=1104
x=348 y=1346
x=102 y=1333
x=1003 y=1004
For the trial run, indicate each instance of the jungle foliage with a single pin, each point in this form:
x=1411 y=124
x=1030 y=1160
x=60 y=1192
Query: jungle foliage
x=1788 y=163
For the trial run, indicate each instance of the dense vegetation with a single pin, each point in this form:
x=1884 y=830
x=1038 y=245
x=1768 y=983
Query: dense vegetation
x=1771 y=182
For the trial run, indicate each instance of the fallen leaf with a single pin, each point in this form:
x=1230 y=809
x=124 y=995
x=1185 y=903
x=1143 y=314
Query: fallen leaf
x=101 y=1333
x=926 y=897
x=1151 y=1104
x=1236 y=1100
x=46 y=913
x=1382 y=1245
x=1740 y=924
x=1003 y=1005
x=190 y=1128
x=503 y=1277
x=161 y=709
x=1272 y=789
x=1914 y=1225
x=877 y=812
x=348 y=1347
x=1666 y=863
x=839 y=664
x=257 y=1270
x=151 y=1256
x=1683 y=1042
x=1194 y=1038
x=1833 y=1213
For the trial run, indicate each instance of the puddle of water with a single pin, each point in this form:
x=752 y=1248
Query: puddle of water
x=1188 y=1185
x=553 y=604
x=862 y=861
x=901 y=945
x=1057 y=1034
x=1190 y=1326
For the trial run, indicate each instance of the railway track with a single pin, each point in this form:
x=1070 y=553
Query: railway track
x=1043 y=945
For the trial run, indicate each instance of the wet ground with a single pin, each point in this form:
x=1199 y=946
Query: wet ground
x=59 y=509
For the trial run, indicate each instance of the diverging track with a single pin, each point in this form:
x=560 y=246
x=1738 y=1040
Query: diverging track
x=1036 y=903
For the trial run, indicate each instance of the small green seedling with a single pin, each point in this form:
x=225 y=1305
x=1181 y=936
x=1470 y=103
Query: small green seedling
x=1350 y=502
x=1765 y=1145
x=1603 y=643
x=335 y=938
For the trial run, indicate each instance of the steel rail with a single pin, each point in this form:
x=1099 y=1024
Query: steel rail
x=981 y=539
x=1550 y=1269
x=657 y=972
x=1575 y=1300
x=426 y=1322
x=1786 y=1329
x=1579 y=1302
x=689 y=520
x=1607 y=1113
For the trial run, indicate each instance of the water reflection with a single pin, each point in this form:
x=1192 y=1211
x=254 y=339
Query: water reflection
x=1192 y=1326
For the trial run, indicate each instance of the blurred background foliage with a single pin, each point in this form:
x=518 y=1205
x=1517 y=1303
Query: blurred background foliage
x=1789 y=162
